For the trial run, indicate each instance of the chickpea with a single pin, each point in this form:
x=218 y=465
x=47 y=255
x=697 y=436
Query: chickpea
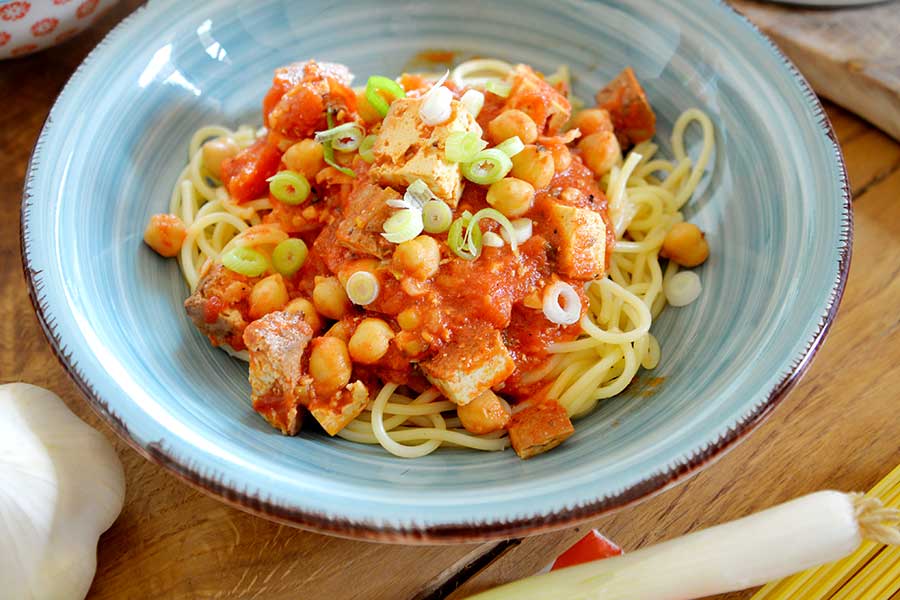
x=535 y=165
x=512 y=122
x=305 y=307
x=165 y=234
x=600 y=151
x=329 y=365
x=486 y=413
x=342 y=330
x=685 y=244
x=329 y=298
x=370 y=341
x=592 y=120
x=352 y=266
x=419 y=257
x=409 y=318
x=306 y=156
x=217 y=151
x=512 y=197
x=562 y=158
x=268 y=295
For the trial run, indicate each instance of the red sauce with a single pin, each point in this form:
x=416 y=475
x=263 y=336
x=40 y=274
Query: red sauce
x=212 y=308
x=245 y=175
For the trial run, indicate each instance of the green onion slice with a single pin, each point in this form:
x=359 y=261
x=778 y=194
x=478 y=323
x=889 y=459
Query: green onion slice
x=511 y=147
x=289 y=256
x=487 y=167
x=328 y=150
x=377 y=83
x=362 y=288
x=289 y=187
x=463 y=146
x=498 y=88
x=365 y=148
x=245 y=261
x=465 y=242
x=403 y=226
x=495 y=215
x=346 y=137
x=436 y=216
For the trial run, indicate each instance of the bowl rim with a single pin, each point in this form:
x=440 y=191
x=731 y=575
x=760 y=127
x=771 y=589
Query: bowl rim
x=463 y=532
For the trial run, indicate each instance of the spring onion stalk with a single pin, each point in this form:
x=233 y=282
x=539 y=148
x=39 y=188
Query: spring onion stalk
x=492 y=240
x=464 y=246
x=436 y=216
x=491 y=213
x=498 y=88
x=682 y=288
x=487 y=167
x=463 y=146
x=289 y=256
x=334 y=134
x=245 y=261
x=366 y=148
x=376 y=84
x=522 y=228
x=403 y=226
x=809 y=531
x=472 y=101
x=362 y=288
x=511 y=147
x=328 y=149
x=561 y=304
x=289 y=187
x=474 y=71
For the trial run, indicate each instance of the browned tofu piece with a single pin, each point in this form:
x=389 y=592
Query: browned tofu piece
x=216 y=306
x=367 y=210
x=580 y=239
x=632 y=116
x=471 y=364
x=547 y=106
x=279 y=386
x=538 y=428
x=486 y=413
x=336 y=412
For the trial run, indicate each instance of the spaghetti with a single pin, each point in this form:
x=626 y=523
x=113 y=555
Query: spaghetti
x=646 y=194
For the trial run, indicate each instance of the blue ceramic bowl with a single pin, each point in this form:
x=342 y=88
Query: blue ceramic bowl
x=776 y=207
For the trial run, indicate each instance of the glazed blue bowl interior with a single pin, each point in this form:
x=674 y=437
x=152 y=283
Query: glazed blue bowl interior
x=774 y=206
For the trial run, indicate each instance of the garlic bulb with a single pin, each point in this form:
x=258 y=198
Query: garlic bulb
x=61 y=486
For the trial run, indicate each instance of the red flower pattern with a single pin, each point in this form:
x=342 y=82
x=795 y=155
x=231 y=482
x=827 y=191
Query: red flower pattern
x=4 y=38
x=44 y=26
x=24 y=49
x=86 y=8
x=14 y=11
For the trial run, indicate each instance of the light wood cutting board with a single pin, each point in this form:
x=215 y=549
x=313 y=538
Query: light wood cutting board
x=849 y=55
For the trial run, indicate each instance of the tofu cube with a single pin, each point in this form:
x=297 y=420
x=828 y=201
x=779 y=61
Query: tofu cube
x=279 y=387
x=580 y=236
x=334 y=413
x=467 y=367
x=407 y=149
x=538 y=428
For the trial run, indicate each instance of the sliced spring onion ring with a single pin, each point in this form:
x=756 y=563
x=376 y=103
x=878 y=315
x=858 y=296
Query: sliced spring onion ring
x=511 y=147
x=289 y=256
x=436 y=216
x=336 y=132
x=403 y=226
x=365 y=148
x=328 y=150
x=487 y=167
x=289 y=187
x=495 y=215
x=498 y=88
x=362 y=288
x=467 y=248
x=473 y=101
x=464 y=75
x=561 y=304
x=682 y=288
x=418 y=192
x=492 y=239
x=463 y=146
x=437 y=106
x=522 y=228
x=245 y=261
x=376 y=84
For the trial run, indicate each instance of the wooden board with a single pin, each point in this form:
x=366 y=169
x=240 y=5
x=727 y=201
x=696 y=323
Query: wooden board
x=849 y=55
x=837 y=429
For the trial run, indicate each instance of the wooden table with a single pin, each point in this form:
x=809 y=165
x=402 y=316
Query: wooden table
x=838 y=429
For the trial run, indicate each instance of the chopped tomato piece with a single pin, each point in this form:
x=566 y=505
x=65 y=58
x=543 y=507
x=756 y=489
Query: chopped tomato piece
x=245 y=175
x=593 y=546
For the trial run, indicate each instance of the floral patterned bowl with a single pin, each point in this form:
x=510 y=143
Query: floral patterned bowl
x=27 y=26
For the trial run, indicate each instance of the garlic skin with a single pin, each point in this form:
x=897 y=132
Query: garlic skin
x=61 y=486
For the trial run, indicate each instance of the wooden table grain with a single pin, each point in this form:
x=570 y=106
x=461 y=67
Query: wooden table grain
x=838 y=429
